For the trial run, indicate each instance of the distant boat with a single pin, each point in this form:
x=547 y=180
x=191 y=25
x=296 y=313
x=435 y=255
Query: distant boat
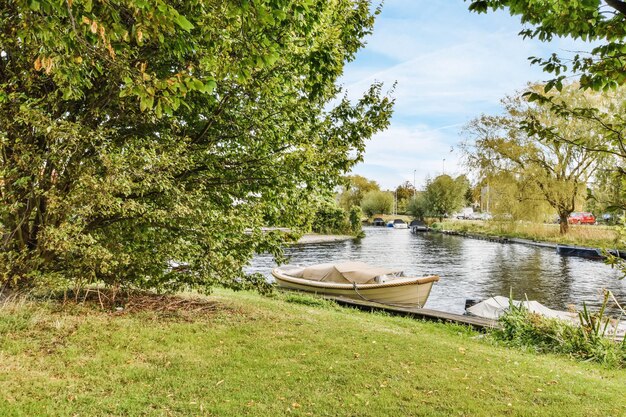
x=400 y=224
x=418 y=226
x=378 y=221
x=357 y=280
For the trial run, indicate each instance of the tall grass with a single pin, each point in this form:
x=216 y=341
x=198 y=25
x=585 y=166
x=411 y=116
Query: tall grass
x=582 y=235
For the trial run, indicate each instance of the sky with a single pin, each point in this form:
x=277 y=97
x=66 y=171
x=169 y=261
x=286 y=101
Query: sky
x=450 y=66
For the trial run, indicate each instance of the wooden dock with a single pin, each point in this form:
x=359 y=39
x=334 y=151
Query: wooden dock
x=477 y=323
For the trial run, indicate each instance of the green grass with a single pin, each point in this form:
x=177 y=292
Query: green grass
x=580 y=235
x=286 y=355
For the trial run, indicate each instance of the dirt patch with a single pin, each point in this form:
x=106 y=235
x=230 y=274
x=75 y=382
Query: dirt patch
x=123 y=302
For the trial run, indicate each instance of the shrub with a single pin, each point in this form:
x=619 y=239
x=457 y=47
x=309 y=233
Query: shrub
x=587 y=341
x=330 y=218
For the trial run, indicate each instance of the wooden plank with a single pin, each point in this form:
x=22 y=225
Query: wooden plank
x=422 y=313
x=478 y=323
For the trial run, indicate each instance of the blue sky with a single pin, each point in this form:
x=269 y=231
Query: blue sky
x=450 y=66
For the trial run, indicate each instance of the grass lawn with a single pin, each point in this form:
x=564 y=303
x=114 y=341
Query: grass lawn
x=287 y=355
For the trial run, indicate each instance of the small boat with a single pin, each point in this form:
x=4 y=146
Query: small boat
x=357 y=280
x=591 y=253
x=400 y=224
x=389 y=223
x=418 y=226
x=378 y=221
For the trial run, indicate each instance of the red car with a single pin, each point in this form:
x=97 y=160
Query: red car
x=581 y=218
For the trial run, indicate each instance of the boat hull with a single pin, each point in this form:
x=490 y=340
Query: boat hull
x=402 y=291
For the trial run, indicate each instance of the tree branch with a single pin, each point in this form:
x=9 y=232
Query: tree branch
x=618 y=5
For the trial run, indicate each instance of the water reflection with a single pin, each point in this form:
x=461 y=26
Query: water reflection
x=469 y=268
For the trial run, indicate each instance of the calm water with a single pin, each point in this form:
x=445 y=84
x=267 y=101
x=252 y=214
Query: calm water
x=469 y=268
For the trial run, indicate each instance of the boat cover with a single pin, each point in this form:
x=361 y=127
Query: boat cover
x=494 y=307
x=344 y=272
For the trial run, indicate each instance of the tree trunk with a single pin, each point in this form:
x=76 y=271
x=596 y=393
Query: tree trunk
x=563 y=225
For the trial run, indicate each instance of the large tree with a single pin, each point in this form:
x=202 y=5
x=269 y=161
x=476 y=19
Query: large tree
x=135 y=134
x=377 y=202
x=353 y=189
x=558 y=170
x=443 y=196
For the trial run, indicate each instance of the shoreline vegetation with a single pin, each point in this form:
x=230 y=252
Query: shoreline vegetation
x=597 y=236
x=240 y=353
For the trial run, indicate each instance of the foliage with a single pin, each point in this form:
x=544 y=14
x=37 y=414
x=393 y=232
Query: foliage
x=354 y=218
x=444 y=195
x=580 y=19
x=558 y=171
x=507 y=196
x=587 y=341
x=405 y=191
x=418 y=206
x=354 y=188
x=134 y=134
x=377 y=202
x=329 y=218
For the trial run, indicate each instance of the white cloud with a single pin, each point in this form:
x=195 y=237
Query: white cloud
x=450 y=66
x=393 y=155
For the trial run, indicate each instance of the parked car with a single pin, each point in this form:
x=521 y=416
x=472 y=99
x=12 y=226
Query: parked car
x=581 y=218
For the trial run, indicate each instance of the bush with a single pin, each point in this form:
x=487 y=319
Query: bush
x=355 y=218
x=521 y=328
x=330 y=219
x=436 y=226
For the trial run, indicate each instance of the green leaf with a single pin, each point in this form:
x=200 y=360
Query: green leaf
x=34 y=5
x=184 y=23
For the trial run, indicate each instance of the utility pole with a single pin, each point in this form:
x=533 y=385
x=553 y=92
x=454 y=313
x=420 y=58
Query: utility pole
x=395 y=202
x=443 y=167
x=414 y=188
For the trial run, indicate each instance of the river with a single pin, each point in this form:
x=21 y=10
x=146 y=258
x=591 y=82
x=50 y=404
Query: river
x=469 y=268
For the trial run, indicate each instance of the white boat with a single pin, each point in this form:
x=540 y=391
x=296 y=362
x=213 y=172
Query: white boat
x=400 y=224
x=357 y=280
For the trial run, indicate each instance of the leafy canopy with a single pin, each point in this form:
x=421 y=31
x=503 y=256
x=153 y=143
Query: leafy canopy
x=377 y=202
x=540 y=164
x=443 y=196
x=353 y=189
x=139 y=135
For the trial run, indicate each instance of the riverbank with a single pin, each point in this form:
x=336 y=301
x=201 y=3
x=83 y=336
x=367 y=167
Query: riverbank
x=310 y=238
x=578 y=235
x=234 y=354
